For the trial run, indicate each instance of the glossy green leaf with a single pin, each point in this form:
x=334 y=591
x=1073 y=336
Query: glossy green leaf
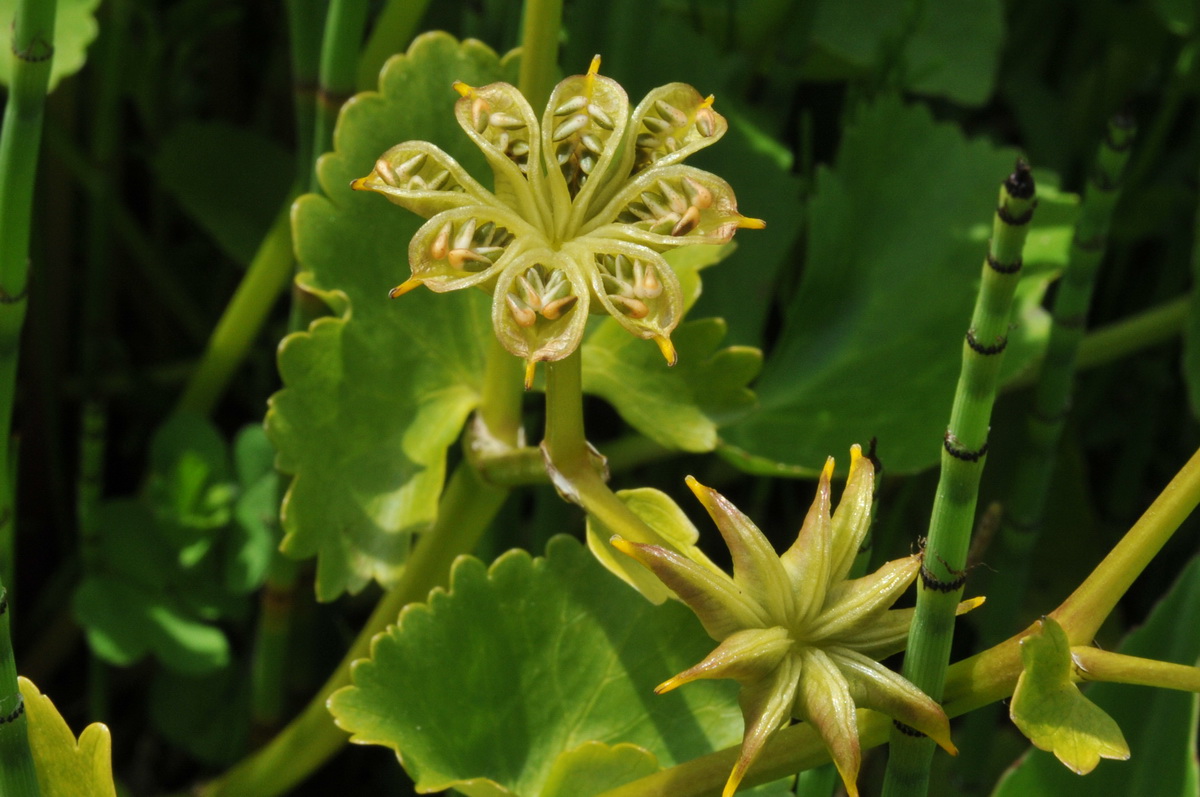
x=1051 y=711
x=952 y=51
x=1160 y=725
x=66 y=767
x=74 y=29
x=678 y=407
x=373 y=397
x=125 y=622
x=594 y=767
x=872 y=342
x=524 y=661
x=229 y=179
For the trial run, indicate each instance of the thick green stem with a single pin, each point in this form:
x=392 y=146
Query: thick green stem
x=242 y=319
x=20 y=141
x=466 y=509
x=270 y=663
x=394 y=29
x=1093 y=664
x=575 y=467
x=500 y=409
x=305 y=23
x=943 y=571
x=1023 y=514
x=1120 y=339
x=539 y=50
x=18 y=778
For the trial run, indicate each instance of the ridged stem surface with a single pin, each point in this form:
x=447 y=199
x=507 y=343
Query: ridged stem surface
x=964 y=451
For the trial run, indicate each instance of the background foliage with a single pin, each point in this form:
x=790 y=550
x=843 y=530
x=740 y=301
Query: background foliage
x=870 y=135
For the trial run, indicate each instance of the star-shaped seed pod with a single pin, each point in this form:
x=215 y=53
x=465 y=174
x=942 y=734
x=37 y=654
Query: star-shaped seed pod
x=584 y=204
x=803 y=640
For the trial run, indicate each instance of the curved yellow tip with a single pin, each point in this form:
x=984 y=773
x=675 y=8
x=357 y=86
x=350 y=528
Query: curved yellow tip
x=708 y=101
x=735 y=780
x=594 y=67
x=698 y=489
x=827 y=471
x=404 y=288
x=462 y=88
x=970 y=604
x=530 y=369
x=747 y=223
x=855 y=455
x=360 y=184
x=668 y=685
x=667 y=349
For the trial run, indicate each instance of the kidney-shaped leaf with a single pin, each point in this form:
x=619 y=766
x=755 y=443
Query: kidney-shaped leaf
x=872 y=342
x=373 y=397
x=525 y=661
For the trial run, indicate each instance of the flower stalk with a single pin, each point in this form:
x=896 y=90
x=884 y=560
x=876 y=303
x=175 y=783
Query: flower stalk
x=964 y=450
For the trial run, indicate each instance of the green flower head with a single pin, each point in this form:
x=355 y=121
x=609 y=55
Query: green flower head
x=583 y=205
x=802 y=639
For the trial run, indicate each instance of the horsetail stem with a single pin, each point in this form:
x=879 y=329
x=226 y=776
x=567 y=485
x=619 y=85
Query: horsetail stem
x=344 y=26
x=964 y=449
x=17 y=775
x=20 y=139
x=1023 y=515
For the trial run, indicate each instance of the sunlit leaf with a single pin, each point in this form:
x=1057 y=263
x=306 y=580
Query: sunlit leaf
x=74 y=30
x=66 y=767
x=594 y=767
x=524 y=661
x=373 y=397
x=1051 y=711
x=1160 y=725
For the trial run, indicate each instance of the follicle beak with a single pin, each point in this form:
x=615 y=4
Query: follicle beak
x=668 y=350
x=403 y=288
